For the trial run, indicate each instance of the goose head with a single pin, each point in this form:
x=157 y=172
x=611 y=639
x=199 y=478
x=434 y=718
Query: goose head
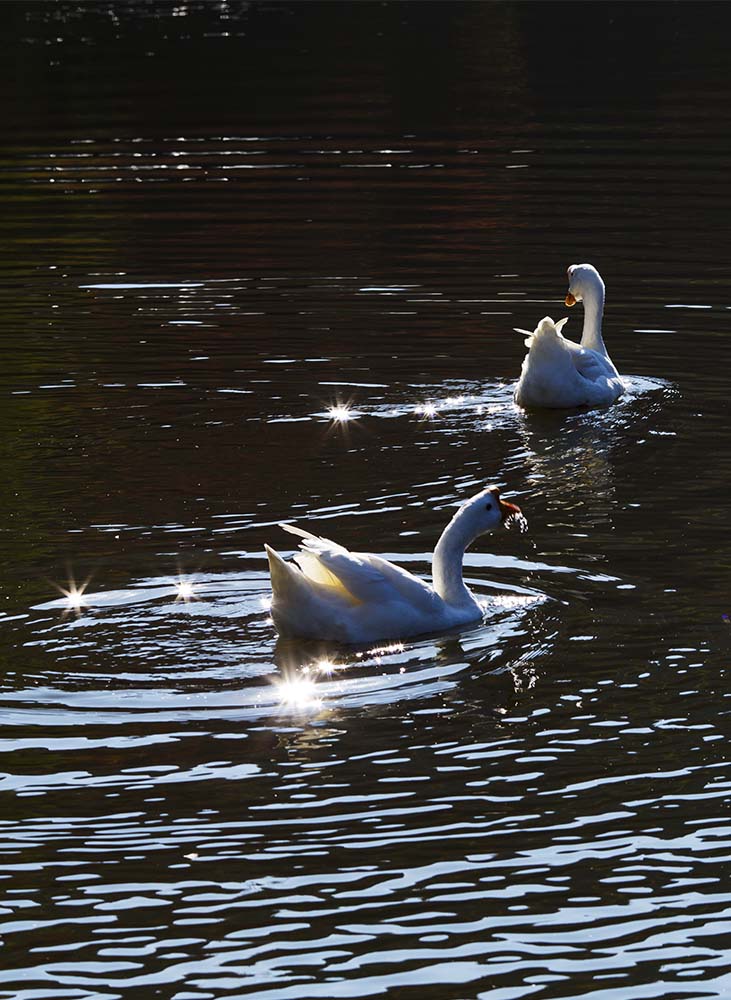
x=485 y=512
x=584 y=279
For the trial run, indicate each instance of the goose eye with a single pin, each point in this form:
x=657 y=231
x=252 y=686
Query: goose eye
x=488 y=506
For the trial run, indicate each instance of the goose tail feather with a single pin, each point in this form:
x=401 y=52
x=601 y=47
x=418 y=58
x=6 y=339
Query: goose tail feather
x=293 y=529
x=287 y=581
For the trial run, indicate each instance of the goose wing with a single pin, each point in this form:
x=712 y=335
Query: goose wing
x=367 y=578
x=414 y=591
x=590 y=365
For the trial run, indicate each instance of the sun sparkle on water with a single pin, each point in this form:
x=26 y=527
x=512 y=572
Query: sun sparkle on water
x=298 y=693
x=185 y=590
x=327 y=667
x=340 y=413
x=429 y=411
x=75 y=597
x=392 y=647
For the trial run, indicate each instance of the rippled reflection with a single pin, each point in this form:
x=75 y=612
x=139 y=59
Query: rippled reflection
x=257 y=273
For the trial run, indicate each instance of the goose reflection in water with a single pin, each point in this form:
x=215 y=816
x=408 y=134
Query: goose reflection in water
x=572 y=455
x=315 y=677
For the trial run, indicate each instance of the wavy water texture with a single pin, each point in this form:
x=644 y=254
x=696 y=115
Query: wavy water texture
x=263 y=264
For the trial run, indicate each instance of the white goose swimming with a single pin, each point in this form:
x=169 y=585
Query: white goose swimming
x=559 y=373
x=358 y=597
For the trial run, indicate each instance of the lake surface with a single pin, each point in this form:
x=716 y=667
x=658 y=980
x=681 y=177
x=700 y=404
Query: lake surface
x=221 y=221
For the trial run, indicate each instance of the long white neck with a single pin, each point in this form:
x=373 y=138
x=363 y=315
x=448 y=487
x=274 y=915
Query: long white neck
x=591 y=335
x=447 y=561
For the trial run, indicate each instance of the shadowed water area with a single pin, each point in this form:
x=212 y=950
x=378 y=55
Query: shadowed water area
x=220 y=221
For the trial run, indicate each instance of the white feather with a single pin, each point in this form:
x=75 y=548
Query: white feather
x=328 y=592
x=558 y=373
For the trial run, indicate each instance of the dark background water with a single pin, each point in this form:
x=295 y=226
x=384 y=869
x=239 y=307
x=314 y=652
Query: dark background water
x=219 y=220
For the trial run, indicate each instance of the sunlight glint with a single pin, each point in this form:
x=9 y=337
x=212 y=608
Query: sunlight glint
x=340 y=413
x=75 y=597
x=184 y=590
x=429 y=411
x=326 y=667
x=299 y=693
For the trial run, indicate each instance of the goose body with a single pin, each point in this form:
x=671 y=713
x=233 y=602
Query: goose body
x=558 y=373
x=328 y=592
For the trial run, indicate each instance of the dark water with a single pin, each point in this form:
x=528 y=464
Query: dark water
x=220 y=221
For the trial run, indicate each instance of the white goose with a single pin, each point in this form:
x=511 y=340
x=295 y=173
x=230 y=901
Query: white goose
x=559 y=373
x=357 y=597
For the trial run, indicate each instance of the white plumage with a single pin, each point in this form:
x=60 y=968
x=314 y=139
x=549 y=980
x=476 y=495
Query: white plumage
x=328 y=592
x=558 y=373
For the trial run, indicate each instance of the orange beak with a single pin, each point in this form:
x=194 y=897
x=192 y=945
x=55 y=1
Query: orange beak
x=508 y=509
x=569 y=300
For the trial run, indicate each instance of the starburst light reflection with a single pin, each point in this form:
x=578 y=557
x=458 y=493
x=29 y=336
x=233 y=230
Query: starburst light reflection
x=326 y=667
x=75 y=597
x=429 y=411
x=184 y=590
x=340 y=413
x=298 y=694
